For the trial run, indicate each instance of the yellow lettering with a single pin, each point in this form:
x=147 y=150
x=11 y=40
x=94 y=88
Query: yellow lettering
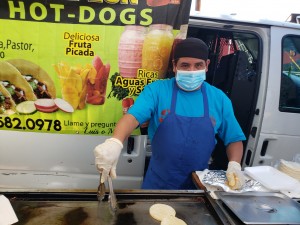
x=131 y=91
x=33 y=8
x=14 y=9
x=57 y=9
x=132 y=2
x=118 y=81
x=112 y=1
x=82 y=11
x=148 y=18
x=112 y=15
x=130 y=15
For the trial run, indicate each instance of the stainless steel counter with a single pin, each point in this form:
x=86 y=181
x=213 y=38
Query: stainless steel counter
x=259 y=208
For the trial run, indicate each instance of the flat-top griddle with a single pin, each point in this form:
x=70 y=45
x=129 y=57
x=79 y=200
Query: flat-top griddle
x=133 y=208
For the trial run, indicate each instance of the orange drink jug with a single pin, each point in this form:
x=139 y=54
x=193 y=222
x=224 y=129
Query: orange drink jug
x=157 y=49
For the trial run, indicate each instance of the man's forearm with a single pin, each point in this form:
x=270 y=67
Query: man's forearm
x=235 y=151
x=125 y=127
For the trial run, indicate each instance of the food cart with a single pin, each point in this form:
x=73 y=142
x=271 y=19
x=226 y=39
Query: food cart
x=209 y=205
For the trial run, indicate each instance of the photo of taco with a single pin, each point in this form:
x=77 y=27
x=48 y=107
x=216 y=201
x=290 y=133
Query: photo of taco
x=39 y=80
x=7 y=105
x=19 y=89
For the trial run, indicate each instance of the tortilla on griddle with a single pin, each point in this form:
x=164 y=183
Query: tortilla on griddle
x=19 y=89
x=7 y=105
x=45 y=87
x=158 y=211
x=172 y=220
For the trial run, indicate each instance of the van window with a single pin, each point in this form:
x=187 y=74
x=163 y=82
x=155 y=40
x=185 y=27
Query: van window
x=290 y=75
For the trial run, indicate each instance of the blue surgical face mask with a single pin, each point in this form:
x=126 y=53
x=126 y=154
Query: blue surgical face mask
x=190 y=80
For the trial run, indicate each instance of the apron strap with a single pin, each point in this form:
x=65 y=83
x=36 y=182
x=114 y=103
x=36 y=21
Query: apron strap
x=174 y=98
x=205 y=100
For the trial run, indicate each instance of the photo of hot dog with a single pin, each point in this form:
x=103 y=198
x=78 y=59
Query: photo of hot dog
x=7 y=105
x=39 y=80
x=19 y=89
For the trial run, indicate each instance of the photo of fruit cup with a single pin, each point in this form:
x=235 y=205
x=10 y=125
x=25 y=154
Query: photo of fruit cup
x=96 y=92
x=96 y=87
x=73 y=91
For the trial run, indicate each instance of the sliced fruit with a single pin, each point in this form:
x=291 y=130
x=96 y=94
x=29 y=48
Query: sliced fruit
x=26 y=107
x=97 y=62
x=49 y=110
x=64 y=105
x=45 y=105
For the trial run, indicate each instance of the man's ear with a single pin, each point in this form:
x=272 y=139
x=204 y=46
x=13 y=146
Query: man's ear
x=174 y=66
x=207 y=63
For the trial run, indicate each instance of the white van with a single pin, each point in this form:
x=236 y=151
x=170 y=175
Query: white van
x=257 y=64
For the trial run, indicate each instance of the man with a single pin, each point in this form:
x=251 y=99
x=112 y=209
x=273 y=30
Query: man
x=185 y=113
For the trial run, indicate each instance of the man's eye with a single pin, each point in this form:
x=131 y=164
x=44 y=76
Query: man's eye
x=185 y=66
x=200 y=66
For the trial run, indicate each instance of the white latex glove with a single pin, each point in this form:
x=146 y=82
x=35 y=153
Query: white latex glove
x=234 y=175
x=107 y=156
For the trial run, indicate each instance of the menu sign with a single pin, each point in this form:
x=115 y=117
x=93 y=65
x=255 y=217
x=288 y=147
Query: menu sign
x=75 y=67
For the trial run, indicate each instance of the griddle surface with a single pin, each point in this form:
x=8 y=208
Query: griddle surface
x=132 y=209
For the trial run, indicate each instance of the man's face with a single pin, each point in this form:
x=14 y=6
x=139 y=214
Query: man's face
x=190 y=64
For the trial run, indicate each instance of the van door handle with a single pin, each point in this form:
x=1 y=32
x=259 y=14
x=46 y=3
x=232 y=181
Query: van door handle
x=264 y=146
x=253 y=131
x=130 y=145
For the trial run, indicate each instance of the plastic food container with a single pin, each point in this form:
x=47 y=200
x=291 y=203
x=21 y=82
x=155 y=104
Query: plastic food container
x=272 y=178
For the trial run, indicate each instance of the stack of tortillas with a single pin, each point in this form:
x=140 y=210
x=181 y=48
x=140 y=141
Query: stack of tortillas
x=165 y=214
x=290 y=168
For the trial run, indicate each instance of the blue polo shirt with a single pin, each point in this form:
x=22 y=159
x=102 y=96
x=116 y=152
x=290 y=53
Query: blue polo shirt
x=154 y=104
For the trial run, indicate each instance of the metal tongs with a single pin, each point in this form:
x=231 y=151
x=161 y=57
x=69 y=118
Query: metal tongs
x=101 y=190
x=112 y=197
x=112 y=200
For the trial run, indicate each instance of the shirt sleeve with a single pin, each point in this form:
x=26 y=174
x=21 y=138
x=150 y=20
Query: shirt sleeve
x=229 y=130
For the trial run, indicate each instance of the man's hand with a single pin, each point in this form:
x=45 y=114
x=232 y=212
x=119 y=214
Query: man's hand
x=234 y=175
x=107 y=156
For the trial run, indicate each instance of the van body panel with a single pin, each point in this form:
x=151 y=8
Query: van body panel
x=66 y=162
x=62 y=161
x=279 y=133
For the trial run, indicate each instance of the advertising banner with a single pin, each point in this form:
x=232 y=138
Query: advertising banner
x=75 y=67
